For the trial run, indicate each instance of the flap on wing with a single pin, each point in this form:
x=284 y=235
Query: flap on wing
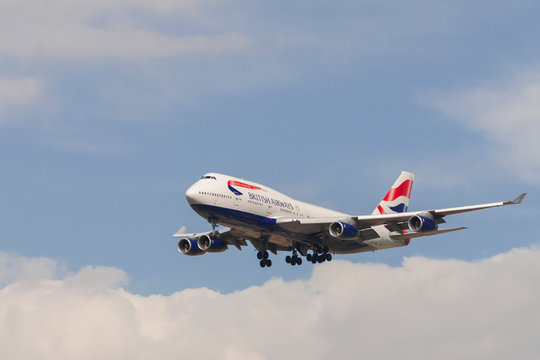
x=399 y=227
x=398 y=222
x=372 y=220
x=368 y=234
x=425 y=233
x=363 y=221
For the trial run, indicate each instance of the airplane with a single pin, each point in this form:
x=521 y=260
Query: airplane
x=272 y=221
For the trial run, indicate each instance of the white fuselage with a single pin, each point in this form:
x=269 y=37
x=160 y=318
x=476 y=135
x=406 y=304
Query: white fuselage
x=254 y=210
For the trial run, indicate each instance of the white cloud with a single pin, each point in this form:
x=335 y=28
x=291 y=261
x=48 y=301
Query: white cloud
x=424 y=309
x=18 y=92
x=103 y=29
x=507 y=113
x=97 y=277
x=16 y=268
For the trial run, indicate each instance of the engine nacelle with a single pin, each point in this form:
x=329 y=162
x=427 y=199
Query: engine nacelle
x=421 y=223
x=189 y=247
x=342 y=230
x=206 y=243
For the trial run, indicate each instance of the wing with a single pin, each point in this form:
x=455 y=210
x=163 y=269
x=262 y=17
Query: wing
x=230 y=236
x=394 y=222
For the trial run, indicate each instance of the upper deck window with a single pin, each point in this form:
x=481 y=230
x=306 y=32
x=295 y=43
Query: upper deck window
x=209 y=177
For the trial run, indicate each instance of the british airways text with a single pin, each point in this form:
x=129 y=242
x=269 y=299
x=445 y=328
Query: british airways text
x=268 y=200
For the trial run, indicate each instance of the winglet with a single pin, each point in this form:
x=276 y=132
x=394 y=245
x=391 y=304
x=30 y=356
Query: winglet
x=180 y=232
x=517 y=200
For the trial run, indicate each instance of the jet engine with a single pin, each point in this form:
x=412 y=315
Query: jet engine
x=342 y=230
x=206 y=243
x=422 y=222
x=189 y=247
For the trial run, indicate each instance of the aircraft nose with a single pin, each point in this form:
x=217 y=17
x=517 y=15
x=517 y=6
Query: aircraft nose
x=192 y=194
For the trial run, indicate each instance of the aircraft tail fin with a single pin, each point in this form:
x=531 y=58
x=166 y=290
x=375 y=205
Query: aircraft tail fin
x=397 y=198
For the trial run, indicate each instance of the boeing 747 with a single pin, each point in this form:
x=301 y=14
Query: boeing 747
x=272 y=221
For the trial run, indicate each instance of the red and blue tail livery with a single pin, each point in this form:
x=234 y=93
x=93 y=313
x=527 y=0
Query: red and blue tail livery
x=397 y=198
x=272 y=221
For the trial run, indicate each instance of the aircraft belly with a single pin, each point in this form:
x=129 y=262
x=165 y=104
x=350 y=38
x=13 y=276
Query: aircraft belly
x=280 y=240
x=272 y=237
x=301 y=229
x=258 y=227
x=380 y=244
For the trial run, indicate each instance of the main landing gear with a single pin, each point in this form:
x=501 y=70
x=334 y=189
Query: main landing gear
x=263 y=256
x=319 y=255
x=294 y=259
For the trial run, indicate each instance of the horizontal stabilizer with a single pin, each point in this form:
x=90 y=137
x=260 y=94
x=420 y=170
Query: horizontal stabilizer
x=425 y=233
x=180 y=232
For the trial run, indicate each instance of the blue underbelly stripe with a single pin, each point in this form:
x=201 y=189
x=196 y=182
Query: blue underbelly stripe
x=236 y=216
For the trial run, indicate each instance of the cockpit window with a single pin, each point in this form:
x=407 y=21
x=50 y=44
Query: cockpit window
x=209 y=177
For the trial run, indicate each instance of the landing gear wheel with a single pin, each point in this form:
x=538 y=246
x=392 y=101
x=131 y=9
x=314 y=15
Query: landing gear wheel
x=265 y=254
x=328 y=257
x=294 y=259
x=268 y=262
x=308 y=257
x=259 y=255
x=262 y=263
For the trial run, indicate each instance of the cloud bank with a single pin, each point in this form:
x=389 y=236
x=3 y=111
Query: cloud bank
x=424 y=309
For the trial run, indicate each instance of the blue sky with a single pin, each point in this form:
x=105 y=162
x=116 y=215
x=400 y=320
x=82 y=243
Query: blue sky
x=110 y=110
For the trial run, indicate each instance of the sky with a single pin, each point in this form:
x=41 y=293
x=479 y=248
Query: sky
x=111 y=109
